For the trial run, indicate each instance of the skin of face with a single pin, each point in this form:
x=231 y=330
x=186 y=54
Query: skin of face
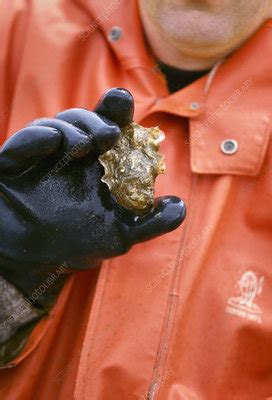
x=195 y=34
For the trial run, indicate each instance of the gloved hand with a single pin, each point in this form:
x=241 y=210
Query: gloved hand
x=54 y=207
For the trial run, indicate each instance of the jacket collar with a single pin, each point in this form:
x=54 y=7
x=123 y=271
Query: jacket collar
x=130 y=49
x=238 y=96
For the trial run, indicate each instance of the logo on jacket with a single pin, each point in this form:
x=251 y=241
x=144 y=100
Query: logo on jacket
x=244 y=305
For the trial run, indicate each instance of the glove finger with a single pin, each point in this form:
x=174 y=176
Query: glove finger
x=75 y=142
x=102 y=132
x=116 y=104
x=168 y=214
x=27 y=146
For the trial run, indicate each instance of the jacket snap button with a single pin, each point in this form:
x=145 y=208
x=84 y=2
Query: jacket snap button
x=229 y=146
x=194 y=105
x=115 y=33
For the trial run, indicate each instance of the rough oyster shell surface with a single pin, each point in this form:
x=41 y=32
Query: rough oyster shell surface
x=132 y=166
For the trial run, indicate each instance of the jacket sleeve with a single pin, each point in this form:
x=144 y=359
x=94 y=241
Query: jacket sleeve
x=26 y=339
x=18 y=336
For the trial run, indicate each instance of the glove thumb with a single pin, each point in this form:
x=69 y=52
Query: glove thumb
x=168 y=214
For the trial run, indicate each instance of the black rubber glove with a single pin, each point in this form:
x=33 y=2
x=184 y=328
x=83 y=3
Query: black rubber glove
x=54 y=207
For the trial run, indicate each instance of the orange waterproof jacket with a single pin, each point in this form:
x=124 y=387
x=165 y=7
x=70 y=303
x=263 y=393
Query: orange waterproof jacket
x=187 y=316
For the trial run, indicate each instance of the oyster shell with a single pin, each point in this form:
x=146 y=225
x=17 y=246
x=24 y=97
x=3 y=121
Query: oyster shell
x=132 y=166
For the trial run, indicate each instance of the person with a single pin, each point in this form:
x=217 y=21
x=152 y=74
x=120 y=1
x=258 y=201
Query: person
x=175 y=317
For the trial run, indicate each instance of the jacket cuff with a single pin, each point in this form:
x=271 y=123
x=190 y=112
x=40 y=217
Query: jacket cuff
x=25 y=326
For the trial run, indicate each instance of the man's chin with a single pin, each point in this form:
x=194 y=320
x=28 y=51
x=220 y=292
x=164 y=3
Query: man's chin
x=198 y=30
